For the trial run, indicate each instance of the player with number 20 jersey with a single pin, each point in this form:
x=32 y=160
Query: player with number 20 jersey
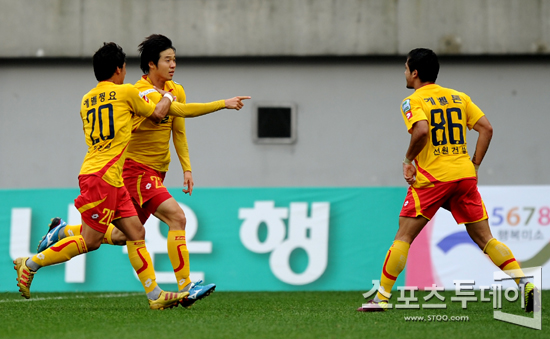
x=107 y=113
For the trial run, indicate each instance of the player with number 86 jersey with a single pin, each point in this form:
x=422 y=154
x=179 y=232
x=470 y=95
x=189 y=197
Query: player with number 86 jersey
x=448 y=112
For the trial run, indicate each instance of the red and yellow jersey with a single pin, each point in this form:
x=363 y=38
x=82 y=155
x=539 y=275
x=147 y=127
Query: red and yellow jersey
x=107 y=113
x=448 y=112
x=150 y=143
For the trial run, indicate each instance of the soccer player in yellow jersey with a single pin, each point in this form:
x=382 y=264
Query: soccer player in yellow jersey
x=440 y=173
x=107 y=113
x=148 y=159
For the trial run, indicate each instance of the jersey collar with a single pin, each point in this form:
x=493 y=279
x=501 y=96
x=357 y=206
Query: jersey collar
x=428 y=87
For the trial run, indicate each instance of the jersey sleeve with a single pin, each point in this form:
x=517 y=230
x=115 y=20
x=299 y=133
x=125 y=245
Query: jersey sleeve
x=473 y=113
x=140 y=104
x=181 y=108
x=152 y=95
x=180 y=143
x=412 y=112
x=192 y=110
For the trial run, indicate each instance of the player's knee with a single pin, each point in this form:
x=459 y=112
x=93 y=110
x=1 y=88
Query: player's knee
x=119 y=239
x=92 y=245
x=140 y=233
x=178 y=221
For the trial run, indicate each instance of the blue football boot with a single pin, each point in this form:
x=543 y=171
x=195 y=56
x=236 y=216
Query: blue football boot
x=52 y=236
x=197 y=292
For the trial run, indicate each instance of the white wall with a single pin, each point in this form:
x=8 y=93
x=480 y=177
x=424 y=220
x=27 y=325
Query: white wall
x=350 y=130
x=77 y=28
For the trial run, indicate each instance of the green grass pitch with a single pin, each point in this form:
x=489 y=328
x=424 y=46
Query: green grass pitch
x=247 y=315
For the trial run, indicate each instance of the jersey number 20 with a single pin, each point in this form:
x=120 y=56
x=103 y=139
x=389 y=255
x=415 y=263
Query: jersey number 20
x=99 y=115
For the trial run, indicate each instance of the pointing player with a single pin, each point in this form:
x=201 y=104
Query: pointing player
x=148 y=159
x=106 y=113
x=442 y=174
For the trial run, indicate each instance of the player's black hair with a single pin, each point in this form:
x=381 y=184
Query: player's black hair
x=425 y=62
x=107 y=59
x=151 y=48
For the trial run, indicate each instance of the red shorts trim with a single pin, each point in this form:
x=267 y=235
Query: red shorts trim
x=460 y=197
x=99 y=203
x=145 y=186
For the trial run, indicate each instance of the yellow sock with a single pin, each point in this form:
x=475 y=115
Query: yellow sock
x=502 y=256
x=62 y=251
x=141 y=262
x=108 y=236
x=72 y=230
x=395 y=261
x=179 y=257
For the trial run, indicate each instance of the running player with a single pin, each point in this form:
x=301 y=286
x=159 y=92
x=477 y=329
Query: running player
x=148 y=160
x=107 y=114
x=444 y=176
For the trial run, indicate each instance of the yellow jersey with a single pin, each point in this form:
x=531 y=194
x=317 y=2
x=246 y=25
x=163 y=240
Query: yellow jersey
x=448 y=112
x=150 y=142
x=107 y=113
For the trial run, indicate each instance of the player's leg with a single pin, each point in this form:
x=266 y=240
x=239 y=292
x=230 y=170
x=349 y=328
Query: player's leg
x=150 y=196
x=396 y=258
x=62 y=251
x=143 y=265
x=94 y=204
x=395 y=261
x=502 y=256
x=420 y=205
x=171 y=213
x=58 y=229
x=126 y=220
x=468 y=208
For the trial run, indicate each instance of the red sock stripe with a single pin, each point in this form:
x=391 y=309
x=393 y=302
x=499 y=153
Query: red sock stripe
x=145 y=264
x=506 y=263
x=180 y=257
x=389 y=276
x=60 y=247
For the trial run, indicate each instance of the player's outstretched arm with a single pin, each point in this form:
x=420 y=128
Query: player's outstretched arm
x=192 y=110
x=236 y=102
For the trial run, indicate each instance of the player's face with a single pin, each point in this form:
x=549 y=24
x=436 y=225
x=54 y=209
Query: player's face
x=119 y=77
x=166 y=65
x=123 y=74
x=408 y=76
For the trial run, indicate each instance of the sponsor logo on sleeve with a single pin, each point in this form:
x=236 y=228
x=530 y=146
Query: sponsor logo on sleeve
x=406 y=107
x=143 y=94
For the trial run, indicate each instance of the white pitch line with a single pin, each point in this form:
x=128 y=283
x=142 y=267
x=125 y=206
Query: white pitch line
x=72 y=297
